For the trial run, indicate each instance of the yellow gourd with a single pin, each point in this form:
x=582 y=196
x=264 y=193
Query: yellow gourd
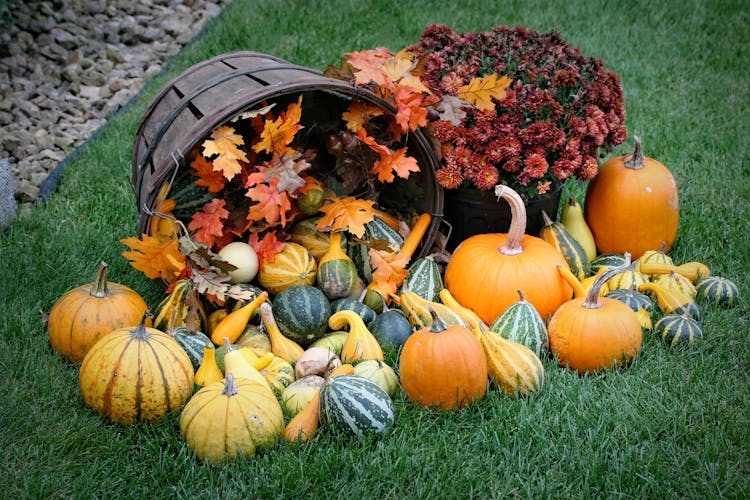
x=678 y=282
x=281 y=346
x=693 y=271
x=512 y=366
x=572 y=218
x=238 y=365
x=671 y=300
x=469 y=316
x=235 y=322
x=208 y=372
x=570 y=278
x=360 y=344
x=417 y=310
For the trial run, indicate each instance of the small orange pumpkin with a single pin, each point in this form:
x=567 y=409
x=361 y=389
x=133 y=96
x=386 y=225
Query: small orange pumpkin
x=83 y=315
x=486 y=270
x=593 y=333
x=632 y=205
x=443 y=366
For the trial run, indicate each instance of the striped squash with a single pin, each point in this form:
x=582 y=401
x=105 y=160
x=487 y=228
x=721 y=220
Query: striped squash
x=606 y=260
x=626 y=279
x=292 y=266
x=654 y=257
x=558 y=236
x=302 y=313
x=678 y=329
x=347 y=304
x=337 y=275
x=316 y=242
x=633 y=298
x=676 y=281
x=192 y=343
x=377 y=234
x=521 y=323
x=355 y=405
x=173 y=310
x=717 y=289
x=424 y=279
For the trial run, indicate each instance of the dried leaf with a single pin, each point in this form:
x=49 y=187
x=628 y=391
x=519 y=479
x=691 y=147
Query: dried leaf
x=272 y=205
x=285 y=169
x=207 y=223
x=350 y=214
x=278 y=134
x=369 y=65
x=389 y=270
x=399 y=71
x=390 y=162
x=267 y=247
x=360 y=113
x=211 y=179
x=247 y=115
x=224 y=145
x=450 y=109
x=481 y=90
x=155 y=257
x=211 y=283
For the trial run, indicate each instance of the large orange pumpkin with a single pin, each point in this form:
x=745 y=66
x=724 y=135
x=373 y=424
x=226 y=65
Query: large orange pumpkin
x=632 y=205
x=487 y=270
x=594 y=333
x=443 y=366
x=84 y=314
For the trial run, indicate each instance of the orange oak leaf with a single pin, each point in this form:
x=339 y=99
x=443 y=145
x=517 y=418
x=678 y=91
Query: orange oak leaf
x=369 y=65
x=267 y=247
x=224 y=145
x=272 y=205
x=481 y=90
x=389 y=270
x=360 y=113
x=348 y=213
x=207 y=223
x=211 y=179
x=278 y=134
x=390 y=162
x=411 y=114
x=155 y=257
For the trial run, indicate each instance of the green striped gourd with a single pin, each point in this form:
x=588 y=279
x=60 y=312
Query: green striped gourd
x=174 y=309
x=633 y=298
x=717 y=289
x=522 y=323
x=606 y=260
x=378 y=234
x=424 y=279
x=192 y=343
x=347 y=304
x=337 y=275
x=626 y=279
x=558 y=236
x=678 y=329
x=355 y=405
x=316 y=242
x=302 y=313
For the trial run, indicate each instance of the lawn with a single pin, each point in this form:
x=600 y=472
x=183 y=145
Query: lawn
x=674 y=424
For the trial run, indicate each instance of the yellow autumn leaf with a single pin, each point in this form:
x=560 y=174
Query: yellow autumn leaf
x=480 y=91
x=224 y=143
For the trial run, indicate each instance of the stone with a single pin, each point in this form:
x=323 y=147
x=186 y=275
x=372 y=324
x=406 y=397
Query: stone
x=7 y=198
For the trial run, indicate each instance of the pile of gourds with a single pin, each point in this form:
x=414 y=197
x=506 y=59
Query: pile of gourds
x=307 y=350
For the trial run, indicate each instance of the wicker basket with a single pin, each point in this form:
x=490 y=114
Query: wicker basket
x=209 y=93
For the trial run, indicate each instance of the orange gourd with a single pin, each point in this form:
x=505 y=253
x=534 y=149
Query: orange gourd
x=486 y=270
x=632 y=205
x=593 y=333
x=84 y=314
x=443 y=366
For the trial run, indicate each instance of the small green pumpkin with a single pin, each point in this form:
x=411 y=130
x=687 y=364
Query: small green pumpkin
x=302 y=313
x=424 y=279
x=192 y=343
x=377 y=234
x=521 y=323
x=717 y=289
x=678 y=329
x=390 y=328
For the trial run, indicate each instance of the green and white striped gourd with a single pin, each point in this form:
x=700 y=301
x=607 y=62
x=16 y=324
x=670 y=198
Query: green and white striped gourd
x=632 y=298
x=380 y=235
x=522 y=323
x=347 y=304
x=557 y=235
x=606 y=260
x=192 y=343
x=678 y=329
x=355 y=405
x=424 y=279
x=717 y=289
x=302 y=312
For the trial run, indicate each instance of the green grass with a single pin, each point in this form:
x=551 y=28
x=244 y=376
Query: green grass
x=674 y=424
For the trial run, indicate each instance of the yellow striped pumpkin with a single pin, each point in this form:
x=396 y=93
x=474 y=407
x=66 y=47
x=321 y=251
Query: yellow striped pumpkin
x=292 y=266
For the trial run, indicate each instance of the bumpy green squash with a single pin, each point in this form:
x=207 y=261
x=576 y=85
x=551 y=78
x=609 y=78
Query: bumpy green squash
x=522 y=323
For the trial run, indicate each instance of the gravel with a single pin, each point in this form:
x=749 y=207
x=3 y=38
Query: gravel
x=67 y=65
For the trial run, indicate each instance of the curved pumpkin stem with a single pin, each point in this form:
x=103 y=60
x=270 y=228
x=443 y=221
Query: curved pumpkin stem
x=592 y=297
x=99 y=287
x=636 y=160
x=139 y=332
x=512 y=245
x=438 y=325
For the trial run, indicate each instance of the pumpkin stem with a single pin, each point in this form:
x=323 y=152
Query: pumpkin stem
x=512 y=245
x=438 y=325
x=637 y=159
x=230 y=386
x=545 y=218
x=99 y=288
x=592 y=297
x=139 y=332
x=520 y=294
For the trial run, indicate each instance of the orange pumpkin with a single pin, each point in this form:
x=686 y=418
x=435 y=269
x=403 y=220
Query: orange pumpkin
x=486 y=270
x=83 y=315
x=593 y=333
x=443 y=366
x=632 y=205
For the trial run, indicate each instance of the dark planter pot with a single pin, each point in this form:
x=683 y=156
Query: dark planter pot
x=471 y=211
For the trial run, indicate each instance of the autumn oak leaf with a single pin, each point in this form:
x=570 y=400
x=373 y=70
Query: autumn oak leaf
x=450 y=110
x=369 y=65
x=272 y=205
x=278 y=134
x=155 y=257
x=267 y=247
x=481 y=90
x=211 y=179
x=207 y=223
x=389 y=270
x=224 y=144
x=360 y=113
x=350 y=214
